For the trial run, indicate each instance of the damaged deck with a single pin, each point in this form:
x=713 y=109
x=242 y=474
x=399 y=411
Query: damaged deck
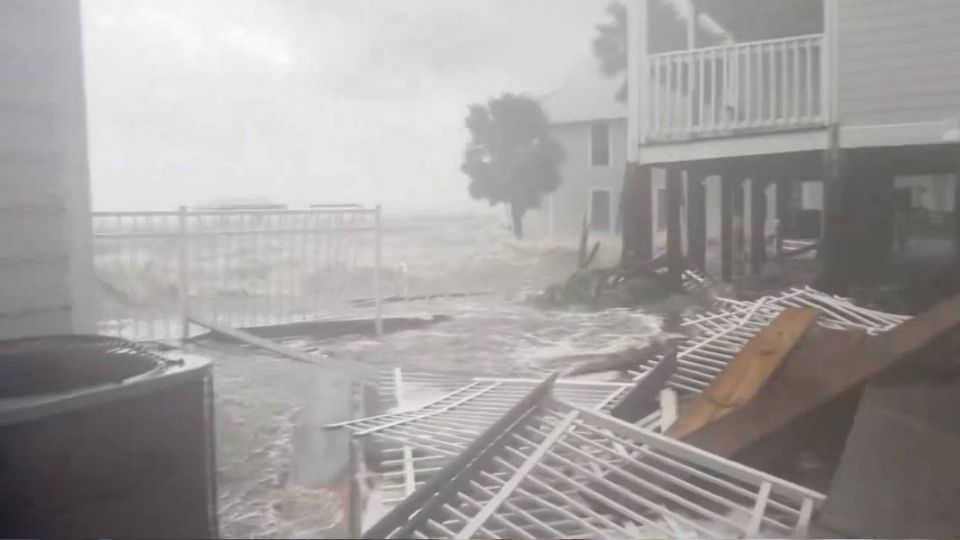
x=523 y=458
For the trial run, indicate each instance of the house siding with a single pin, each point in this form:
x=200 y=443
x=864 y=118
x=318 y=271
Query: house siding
x=897 y=61
x=570 y=202
x=45 y=259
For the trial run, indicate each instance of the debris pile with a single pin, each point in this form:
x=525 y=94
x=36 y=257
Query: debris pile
x=682 y=446
x=620 y=286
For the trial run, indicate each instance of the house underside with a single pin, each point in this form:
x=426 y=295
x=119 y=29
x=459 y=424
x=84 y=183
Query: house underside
x=832 y=120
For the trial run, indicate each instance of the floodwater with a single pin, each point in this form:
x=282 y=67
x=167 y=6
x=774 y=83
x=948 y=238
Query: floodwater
x=260 y=399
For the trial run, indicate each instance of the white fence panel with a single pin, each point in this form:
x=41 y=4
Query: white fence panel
x=242 y=269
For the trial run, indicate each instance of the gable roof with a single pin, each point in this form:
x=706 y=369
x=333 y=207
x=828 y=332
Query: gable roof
x=585 y=95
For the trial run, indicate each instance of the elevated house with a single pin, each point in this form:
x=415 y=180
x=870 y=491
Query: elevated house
x=844 y=105
x=46 y=267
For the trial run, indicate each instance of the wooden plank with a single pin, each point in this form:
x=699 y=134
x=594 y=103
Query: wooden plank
x=824 y=368
x=618 y=361
x=746 y=374
x=356 y=368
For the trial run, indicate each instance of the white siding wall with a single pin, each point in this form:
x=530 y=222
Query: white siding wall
x=45 y=261
x=572 y=199
x=898 y=61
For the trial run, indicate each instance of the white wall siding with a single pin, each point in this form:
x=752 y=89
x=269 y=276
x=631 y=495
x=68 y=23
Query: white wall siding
x=898 y=61
x=45 y=264
x=571 y=202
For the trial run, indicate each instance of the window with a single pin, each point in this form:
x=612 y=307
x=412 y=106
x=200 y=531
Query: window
x=600 y=210
x=600 y=145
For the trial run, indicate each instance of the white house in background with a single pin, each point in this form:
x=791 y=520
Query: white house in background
x=591 y=124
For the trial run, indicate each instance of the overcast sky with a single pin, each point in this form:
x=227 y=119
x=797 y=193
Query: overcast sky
x=308 y=101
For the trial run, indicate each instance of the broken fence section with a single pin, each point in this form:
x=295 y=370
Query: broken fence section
x=416 y=442
x=448 y=424
x=549 y=468
x=720 y=334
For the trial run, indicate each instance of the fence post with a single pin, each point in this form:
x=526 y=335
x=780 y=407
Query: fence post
x=377 y=264
x=183 y=273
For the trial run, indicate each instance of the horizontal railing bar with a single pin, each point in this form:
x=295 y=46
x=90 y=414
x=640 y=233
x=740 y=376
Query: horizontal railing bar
x=245 y=232
x=189 y=213
x=743 y=45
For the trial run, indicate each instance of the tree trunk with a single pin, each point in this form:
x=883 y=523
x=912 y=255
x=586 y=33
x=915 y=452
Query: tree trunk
x=517 y=214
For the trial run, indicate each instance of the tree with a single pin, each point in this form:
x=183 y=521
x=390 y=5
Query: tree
x=610 y=45
x=511 y=158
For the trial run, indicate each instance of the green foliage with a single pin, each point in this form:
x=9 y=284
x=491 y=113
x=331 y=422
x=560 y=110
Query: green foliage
x=511 y=158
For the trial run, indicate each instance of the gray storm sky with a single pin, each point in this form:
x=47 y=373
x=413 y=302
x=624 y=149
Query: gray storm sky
x=308 y=101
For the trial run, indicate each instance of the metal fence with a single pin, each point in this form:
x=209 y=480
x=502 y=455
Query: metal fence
x=551 y=468
x=236 y=268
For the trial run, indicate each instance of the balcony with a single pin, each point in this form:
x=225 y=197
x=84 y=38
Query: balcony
x=729 y=90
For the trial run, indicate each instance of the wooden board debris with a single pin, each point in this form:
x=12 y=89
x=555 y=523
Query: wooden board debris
x=825 y=367
x=354 y=368
x=746 y=374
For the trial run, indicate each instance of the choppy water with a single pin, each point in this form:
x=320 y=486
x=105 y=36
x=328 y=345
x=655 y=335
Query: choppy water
x=260 y=398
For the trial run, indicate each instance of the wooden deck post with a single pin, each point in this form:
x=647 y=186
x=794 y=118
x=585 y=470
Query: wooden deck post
x=675 y=261
x=727 y=186
x=785 y=211
x=636 y=207
x=697 y=219
x=834 y=272
x=758 y=225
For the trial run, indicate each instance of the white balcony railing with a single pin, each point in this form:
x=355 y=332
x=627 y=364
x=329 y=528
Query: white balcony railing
x=725 y=90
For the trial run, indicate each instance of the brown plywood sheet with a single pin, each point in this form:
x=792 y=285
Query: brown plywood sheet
x=747 y=373
x=826 y=366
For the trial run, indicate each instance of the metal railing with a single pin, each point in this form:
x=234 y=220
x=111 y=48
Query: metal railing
x=237 y=268
x=549 y=468
x=715 y=91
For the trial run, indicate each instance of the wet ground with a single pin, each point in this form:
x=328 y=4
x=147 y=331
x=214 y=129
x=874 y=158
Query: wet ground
x=261 y=399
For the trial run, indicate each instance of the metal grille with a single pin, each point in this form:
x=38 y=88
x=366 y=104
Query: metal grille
x=564 y=471
x=233 y=268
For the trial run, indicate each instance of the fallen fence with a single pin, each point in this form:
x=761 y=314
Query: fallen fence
x=498 y=458
x=720 y=334
x=550 y=468
x=235 y=268
x=416 y=442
